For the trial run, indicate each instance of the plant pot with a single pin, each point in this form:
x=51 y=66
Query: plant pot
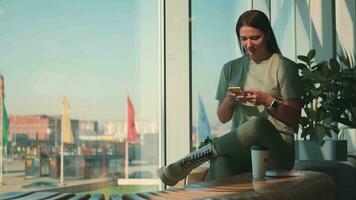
x=335 y=150
x=307 y=150
x=311 y=150
x=350 y=136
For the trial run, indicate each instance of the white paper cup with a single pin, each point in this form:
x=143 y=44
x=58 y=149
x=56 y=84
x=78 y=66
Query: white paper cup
x=259 y=158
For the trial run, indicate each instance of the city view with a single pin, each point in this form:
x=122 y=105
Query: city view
x=95 y=54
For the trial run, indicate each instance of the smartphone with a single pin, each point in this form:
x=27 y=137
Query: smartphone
x=234 y=89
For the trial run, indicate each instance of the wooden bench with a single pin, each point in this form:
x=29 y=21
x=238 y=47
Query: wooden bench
x=54 y=196
x=299 y=185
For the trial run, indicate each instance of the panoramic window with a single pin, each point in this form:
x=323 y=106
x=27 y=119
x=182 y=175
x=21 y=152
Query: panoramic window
x=213 y=44
x=81 y=79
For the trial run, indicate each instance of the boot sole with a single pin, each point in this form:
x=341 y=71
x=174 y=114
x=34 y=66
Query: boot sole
x=164 y=179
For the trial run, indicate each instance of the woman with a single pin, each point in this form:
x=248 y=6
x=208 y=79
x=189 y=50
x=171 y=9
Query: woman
x=263 y=113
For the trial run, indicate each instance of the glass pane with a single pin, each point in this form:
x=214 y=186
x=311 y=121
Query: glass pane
x=87 y=69
x=214 y=43
x=283 y=23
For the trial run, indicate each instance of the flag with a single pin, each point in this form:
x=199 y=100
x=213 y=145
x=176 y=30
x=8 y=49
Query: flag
x=5 y=124
x=203 y=123
x=66 y=129
x=130 y=122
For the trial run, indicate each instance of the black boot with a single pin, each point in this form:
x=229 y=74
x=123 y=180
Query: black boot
x=171 y=174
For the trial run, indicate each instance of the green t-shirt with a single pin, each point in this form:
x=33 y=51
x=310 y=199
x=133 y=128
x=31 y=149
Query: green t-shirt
x=277 y=76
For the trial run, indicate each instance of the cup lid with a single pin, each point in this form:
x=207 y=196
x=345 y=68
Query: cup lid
x=259 y=147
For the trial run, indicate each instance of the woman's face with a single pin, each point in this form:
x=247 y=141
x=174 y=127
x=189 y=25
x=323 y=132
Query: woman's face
x=253 y=40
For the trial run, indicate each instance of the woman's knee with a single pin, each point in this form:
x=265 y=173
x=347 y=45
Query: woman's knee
x=260 y=124
x=255 y=128
x=225 y=166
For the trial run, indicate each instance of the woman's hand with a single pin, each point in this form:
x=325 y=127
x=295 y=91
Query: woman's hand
x=255 y=97
x=230 y=97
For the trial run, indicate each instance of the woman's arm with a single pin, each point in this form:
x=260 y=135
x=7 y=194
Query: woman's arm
x=288 y=110
x=226 y=108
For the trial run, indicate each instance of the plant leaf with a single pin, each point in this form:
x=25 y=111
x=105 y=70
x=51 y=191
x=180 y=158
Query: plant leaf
x=307 y=74
x=341 y=133
x=311 y=54
x=344 y=121
x=315 y=92
x=345 y=60
x=301 y=66
x=334 y=128
x=319 y=65
x=303 y=58
x=334 y=65
x=311 y=114
x=304 y=121
x=324 y=70
x=321 y=114
x=307 y=131
x=320 y=132
x=327 y=121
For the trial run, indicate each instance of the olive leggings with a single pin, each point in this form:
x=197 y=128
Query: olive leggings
x=234 y=154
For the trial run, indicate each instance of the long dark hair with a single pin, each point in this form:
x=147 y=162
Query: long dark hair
x=257 y=19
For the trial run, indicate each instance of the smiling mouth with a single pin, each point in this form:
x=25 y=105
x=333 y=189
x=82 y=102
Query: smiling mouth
x=251 y=50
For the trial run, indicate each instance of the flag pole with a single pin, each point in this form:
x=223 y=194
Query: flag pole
x=62 y=159
x=66 y=133
x=1 y=126
x=61 y=178
x=126 y=159
x=197 y=136
x=126 y=142
x=1 y=146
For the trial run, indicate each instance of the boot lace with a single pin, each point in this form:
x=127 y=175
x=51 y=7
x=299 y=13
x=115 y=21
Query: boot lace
x=195 y=159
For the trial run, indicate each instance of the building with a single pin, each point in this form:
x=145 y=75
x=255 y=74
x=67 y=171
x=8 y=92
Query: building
x=88 y=127
x=41 y=127
x=117 y=129
x=36 y=127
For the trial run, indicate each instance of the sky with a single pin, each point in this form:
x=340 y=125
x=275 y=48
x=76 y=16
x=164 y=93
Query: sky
x=93 y=52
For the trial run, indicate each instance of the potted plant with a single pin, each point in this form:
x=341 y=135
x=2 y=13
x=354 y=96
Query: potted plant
x=349 y=93
x=324 y=104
